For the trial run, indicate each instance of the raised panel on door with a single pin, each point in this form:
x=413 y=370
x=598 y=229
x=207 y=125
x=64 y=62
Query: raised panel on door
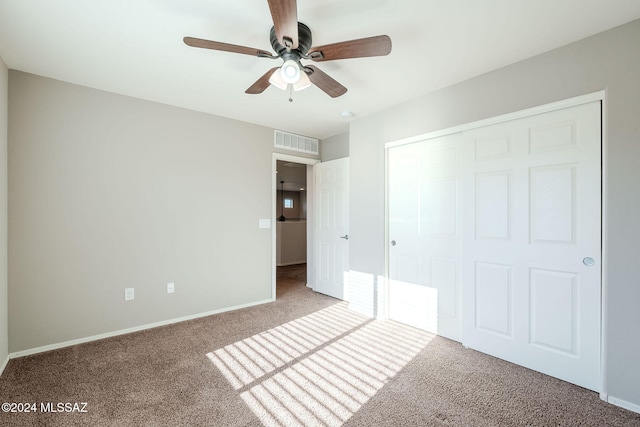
x=493 y=299
x=553 y=302
x=534 y=189
x=444 y=212
x=445 y=276
x=552 y=204
x=492 y=205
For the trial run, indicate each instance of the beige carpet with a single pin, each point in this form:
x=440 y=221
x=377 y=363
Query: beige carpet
x=302 y=360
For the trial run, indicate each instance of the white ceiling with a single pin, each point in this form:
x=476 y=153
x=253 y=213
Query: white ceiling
x=135 y=48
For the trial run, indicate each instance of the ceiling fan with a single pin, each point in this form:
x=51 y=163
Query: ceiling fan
x=291 y=40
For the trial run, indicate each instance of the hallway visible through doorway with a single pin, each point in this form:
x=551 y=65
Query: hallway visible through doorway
x=290 y=277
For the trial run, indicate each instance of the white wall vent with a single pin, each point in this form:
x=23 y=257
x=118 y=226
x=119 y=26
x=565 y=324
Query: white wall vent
x=289 y=141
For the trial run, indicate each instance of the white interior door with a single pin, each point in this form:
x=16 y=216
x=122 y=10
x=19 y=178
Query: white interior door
x=425 y=236
x=532 y=246
x=332 y=222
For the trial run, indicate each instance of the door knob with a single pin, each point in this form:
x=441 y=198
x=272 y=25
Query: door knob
x=345 y=237
x=393 y=243
x=588 y=261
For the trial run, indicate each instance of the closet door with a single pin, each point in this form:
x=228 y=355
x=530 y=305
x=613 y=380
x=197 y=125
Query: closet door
x=425 y=238
x=532 y=245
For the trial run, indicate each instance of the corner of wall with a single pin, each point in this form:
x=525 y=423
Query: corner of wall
x=4 y=299
x=334 y=147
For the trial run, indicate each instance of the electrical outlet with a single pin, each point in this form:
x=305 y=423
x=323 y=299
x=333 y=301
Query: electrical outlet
x=128 y=294
x=170 y=288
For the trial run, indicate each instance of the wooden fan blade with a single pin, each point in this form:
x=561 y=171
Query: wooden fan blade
x=360 y=48
x=326 y=83
x=262 y=83
x=285 y=19
x=226 y=47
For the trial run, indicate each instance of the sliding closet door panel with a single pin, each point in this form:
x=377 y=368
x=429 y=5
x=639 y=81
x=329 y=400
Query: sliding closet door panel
x=425 y=239
x=532 y=246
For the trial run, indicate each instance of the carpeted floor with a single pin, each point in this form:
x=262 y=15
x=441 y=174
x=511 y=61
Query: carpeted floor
x=302 y=360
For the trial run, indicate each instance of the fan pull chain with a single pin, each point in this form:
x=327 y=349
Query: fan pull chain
x=290 y=93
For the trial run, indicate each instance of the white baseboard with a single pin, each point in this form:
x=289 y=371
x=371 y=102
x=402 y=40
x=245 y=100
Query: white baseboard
x=623 y=404
x=4 y=364
x=56 y=346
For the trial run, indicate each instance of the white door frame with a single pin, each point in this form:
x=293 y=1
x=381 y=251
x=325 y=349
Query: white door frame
x=571 y=102
x=310 y=214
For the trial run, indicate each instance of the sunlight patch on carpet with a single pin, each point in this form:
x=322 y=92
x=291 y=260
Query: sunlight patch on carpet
x=320 y=369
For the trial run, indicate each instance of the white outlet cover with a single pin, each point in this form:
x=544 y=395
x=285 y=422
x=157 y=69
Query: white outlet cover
x=129 y=294
x=170 y=288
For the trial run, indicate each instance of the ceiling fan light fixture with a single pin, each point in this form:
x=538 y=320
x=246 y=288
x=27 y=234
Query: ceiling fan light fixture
x=302 y=83
x=276 y=80
x=290 y=71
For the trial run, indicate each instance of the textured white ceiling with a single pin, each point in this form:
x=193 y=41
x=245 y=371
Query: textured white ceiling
x=135 y=48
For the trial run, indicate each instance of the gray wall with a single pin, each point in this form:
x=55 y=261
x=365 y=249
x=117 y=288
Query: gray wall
x=4 y=100
x=335 y=147
x=108 y=192
x=611 y=61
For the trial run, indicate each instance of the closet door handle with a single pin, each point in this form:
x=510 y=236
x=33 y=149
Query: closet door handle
x=345 y=237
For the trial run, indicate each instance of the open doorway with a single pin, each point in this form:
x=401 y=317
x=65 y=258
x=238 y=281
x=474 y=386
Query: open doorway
x=291 y=226
x=293 y=237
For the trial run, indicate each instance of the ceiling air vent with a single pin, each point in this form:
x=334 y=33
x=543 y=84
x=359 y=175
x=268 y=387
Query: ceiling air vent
x=289 y=141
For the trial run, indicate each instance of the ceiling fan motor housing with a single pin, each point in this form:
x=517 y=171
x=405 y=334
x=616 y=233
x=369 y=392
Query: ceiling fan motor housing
x=304 y=44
